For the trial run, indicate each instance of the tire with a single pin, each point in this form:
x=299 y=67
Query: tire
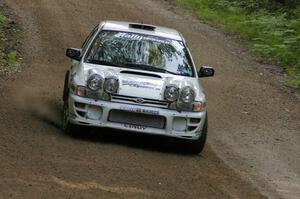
x=66 y=86
x=196 y=146
x=67 y=126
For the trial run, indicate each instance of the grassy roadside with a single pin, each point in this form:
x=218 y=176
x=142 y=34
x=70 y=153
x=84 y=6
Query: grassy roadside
x=273 y=33
x=9 y=37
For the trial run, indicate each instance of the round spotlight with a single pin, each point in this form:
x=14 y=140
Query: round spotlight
x=95 y=82
x=187 y=95
x=111 y=85
x=171 y=93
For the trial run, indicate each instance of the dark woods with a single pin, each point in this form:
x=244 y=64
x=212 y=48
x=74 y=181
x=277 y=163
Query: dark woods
x=271 y=5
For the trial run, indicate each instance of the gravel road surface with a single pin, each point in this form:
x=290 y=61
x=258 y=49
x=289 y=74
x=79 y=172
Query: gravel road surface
x=254 y=129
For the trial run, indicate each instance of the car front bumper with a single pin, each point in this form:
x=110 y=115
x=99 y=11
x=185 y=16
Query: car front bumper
x=136 y=118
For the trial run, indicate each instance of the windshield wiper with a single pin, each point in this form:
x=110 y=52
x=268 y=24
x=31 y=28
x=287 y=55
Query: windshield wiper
x=103 y=62
x=148 y=67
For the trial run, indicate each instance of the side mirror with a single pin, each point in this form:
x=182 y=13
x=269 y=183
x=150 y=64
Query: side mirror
x=206 y=71
x=74 y=53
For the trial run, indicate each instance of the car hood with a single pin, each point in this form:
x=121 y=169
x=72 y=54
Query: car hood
x=141 y=83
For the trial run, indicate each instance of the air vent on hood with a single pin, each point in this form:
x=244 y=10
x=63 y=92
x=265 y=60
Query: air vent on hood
x=142 y=26
x=140 y=73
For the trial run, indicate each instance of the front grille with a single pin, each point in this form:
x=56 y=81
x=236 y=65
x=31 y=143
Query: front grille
x=135 y=100
x=125 y=117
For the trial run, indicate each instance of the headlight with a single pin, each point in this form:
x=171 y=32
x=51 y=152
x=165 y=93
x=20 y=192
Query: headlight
x=187 y=95
x=171 y=93
x=111 y=85
x=95 y=82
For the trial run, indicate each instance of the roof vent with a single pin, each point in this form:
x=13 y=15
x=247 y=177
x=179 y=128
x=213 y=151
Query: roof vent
x=142 y=26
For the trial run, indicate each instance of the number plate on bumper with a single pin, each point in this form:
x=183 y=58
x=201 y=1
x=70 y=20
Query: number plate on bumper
x=125 y=117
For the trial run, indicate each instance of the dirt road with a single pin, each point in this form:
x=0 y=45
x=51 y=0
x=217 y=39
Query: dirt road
x=253 y=146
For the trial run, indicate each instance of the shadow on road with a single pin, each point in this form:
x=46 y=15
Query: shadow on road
x=132 y=139
x=53 y=116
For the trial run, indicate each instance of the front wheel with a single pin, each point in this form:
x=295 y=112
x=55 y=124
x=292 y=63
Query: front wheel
x=67 y=126
x=66 y=87
x=196 y=146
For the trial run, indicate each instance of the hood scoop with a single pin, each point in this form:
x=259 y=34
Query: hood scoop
x=140 y=73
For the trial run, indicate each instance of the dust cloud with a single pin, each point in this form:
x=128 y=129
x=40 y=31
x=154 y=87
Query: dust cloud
x=40 y=105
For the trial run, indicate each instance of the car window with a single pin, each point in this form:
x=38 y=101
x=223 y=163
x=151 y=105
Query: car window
x=144 y=52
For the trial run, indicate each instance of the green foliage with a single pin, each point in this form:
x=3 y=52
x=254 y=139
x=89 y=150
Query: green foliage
x=2 y=20
x=271 y=27
x=8 y=54
x=12 y=58
x=269 y=5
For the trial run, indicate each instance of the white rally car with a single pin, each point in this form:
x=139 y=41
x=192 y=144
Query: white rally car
x=136 y=77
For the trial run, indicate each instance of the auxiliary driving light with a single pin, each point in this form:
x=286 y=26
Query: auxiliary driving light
x=111 y=85
x=95 y=82
x=171 y=93
x=187 y=95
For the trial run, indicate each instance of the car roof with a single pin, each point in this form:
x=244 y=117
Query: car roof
x=142 y=29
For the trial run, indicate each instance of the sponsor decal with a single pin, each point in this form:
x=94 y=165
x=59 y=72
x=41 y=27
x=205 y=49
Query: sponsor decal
x=136 y=84
x=137 y=37
x=133 y=126
x=139 y=110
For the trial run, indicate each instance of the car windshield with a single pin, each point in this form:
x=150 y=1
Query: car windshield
x=140 y=51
